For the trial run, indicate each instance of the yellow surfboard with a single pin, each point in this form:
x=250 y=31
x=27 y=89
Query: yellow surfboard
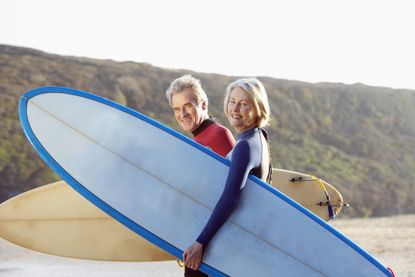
x=55 y=219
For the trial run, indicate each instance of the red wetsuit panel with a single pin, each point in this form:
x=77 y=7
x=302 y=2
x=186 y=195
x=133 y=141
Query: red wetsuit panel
x=217 y=138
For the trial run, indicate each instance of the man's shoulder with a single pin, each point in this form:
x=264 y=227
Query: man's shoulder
x=220 y=128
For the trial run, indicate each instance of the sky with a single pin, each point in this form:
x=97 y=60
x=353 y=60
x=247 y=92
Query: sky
x=350 y=41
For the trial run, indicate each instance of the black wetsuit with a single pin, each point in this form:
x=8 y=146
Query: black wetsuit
x=250 y=155
x=221 y=141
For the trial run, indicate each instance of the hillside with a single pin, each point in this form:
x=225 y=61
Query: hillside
x=357 y=137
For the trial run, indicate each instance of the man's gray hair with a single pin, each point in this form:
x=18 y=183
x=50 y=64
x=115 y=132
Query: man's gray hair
x=185 y=82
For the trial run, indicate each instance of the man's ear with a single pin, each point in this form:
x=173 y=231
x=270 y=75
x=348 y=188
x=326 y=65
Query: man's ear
x=204 y=105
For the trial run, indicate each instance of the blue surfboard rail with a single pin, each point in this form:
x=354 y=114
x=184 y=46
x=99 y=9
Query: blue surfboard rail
x=175 y=251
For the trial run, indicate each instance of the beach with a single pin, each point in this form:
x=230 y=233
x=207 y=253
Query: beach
x=391 y=240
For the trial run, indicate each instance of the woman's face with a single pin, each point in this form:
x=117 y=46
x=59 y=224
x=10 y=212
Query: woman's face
x=242 y=114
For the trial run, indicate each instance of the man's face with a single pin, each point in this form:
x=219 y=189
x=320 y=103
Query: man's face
x=189 y=113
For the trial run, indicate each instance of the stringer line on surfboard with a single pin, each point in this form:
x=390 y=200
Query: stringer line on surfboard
x=169 y=185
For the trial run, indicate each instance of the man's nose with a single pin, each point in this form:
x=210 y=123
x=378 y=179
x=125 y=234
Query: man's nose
x=184 y=112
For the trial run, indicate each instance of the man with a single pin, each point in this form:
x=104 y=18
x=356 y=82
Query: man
x=190 y=105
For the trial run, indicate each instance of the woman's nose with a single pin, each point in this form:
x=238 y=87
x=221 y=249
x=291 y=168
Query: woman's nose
x=237 y=106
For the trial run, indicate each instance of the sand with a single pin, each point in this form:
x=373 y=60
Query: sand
x=391 y=240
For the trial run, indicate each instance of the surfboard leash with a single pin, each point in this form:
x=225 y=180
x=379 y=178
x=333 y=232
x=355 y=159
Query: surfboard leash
x=332 y=208
x=391 y=271
x=328 y=198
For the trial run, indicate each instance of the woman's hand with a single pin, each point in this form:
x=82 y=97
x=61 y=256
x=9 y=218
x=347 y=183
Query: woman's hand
x=192 y=257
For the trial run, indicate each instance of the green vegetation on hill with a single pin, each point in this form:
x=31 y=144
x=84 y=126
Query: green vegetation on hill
x=359 y=138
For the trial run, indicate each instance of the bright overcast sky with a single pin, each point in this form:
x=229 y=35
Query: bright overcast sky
x=350 y=41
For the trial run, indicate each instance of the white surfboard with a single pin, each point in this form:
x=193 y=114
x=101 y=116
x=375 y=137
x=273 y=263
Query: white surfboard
x=164 y=186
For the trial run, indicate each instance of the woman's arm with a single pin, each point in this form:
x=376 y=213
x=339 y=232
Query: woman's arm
x=241 y=164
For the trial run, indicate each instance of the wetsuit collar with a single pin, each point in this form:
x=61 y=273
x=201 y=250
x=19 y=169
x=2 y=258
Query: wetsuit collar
x=206 y=123
x=247 y=133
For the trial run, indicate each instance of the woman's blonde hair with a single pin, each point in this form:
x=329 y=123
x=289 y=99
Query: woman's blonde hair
x=258 y=95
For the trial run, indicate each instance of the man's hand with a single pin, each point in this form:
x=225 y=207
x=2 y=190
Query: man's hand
x=192 y=257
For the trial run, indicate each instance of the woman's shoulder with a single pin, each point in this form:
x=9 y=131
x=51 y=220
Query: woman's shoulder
x=252 y=136
x=249 y=140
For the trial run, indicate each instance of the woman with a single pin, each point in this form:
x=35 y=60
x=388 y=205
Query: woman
x=247 y=109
